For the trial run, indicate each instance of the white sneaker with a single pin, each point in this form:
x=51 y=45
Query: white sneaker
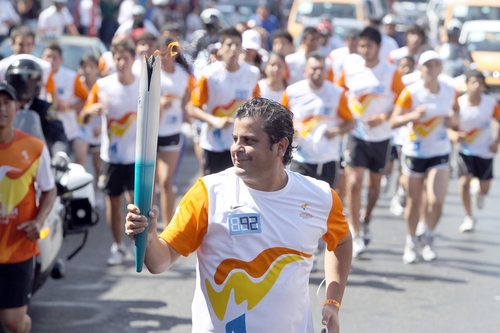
x=396 y=208
x=479 y=198
x=384 y=184
x=428 y=252
x=116 y=255
x=410 y=254
x=365 y=232
x=358 y=246
x=467 y=225
x=99 y=199
x=421 y=228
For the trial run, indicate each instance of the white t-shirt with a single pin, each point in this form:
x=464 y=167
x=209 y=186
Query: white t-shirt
x=85 y=10
x=371 y=91
x=476 y=122
x=388 y=44
x=125 y=11
x=223 y=92
x=337 y=58
x=333 y=43
x=174 y=86
x=47 y=75
x=70 y=90
x=7 y=13
x=428 y=136
x=51 y=23
x=266 y=92
x=119 y=125
x=255 y=250
x=317 y=111
x=296 y=63
x=127 y=27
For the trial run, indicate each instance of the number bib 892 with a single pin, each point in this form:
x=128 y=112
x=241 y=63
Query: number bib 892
x=243 y=224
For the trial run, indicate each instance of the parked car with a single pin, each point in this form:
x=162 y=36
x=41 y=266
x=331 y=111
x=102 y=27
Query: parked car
x=483 y=41
x=304 y=10
x=73 y=47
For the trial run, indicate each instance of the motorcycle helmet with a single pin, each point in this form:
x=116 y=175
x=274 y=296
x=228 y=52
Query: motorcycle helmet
x=211 y=18
x=25 y=76
x=324 y=27
x=453 y=28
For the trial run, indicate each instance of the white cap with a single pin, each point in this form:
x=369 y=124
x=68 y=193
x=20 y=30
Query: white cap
x=161 y=2
x=251 y=39
x=428 y=56
x=138 y=10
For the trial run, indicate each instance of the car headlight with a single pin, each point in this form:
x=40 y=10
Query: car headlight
x=496 y=74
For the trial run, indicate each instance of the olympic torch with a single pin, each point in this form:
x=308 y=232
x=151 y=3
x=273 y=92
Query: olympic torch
x=148 y=118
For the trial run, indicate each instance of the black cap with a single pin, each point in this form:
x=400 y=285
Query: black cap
x=9 y=90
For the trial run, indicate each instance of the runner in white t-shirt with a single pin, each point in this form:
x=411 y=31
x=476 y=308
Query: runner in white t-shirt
x=221 y=89
x=297 y=61
x=427 y=108
x=415 y=37
x=321 y=117
x=254 y=228
x=72 y=96
x=145 y=46
x=114 y=98
x=53 y=20
x=273 y=86
x=177 y=82
x=372 y=86
x=477 y=144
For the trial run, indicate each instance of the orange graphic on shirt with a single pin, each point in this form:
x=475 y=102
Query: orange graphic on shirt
x=309 y=123
x=423 y=129
x=118 y=127
x=227 y=110
x=472 y=136
x=239 y=284
x=359 y=105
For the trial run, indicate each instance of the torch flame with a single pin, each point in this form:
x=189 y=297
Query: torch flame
x=170 y=52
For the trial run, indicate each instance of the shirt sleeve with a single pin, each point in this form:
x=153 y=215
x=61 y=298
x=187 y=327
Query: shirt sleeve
x=284 y=100
x=191 y=83
x=256 y=91
x=404 y=100
x=68 y=19
x=341 y=80
x=50 y=86
x=199 y=95
x=44 y=177
x=337 y=226
x=81 y=90
x=496 y=111
x=190 y=222
x=344 y=111
x=92 y=97
x=455 y=104
x=397 y=83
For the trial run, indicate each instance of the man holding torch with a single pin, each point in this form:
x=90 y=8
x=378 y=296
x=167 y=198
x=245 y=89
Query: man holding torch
x=255 y=227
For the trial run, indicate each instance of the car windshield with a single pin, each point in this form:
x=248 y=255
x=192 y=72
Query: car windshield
x=483 y=41
x=307 y=10
x=470 y=13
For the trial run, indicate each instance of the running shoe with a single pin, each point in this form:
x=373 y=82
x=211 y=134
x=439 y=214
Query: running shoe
x=428 y=251
x=467 y=225
x=358 y=246
x=116 y=255
x=421 y=228
x=410 y=255
x=396 y=208
x=479 y=199
x=365 y=232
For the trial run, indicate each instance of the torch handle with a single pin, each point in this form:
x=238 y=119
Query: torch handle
x=143 y=196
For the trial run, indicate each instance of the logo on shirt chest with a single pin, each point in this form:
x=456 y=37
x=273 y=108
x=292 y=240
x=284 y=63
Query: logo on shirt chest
x=304 y=214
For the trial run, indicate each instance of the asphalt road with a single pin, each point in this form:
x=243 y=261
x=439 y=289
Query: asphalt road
x=459 y=292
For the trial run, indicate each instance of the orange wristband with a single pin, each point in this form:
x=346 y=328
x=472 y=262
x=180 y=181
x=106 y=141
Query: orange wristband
x=332 y=302
x=383 y=117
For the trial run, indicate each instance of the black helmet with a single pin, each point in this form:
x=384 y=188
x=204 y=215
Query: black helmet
x=453 y=28
x=25 y=76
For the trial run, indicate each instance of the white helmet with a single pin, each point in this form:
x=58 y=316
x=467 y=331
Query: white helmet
x=161 y=2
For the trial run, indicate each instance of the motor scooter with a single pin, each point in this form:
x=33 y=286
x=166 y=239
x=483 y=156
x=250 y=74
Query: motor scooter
x=72 y=212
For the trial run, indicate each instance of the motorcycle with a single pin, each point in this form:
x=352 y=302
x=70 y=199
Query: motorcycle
x=72 y=212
